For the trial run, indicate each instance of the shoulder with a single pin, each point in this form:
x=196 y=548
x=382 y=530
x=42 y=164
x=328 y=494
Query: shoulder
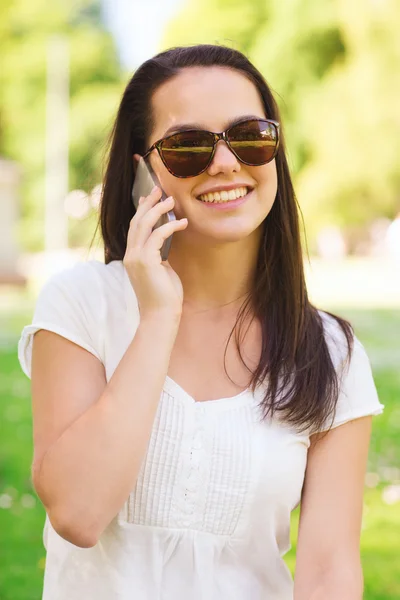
x=88 y=280
x=357 y=392
x=86 y=273
x=111 y=274
x=76 y=303
x=350 y=366
x=103 y=289
x=88 y=290
x=336 y=340
x=114 y=287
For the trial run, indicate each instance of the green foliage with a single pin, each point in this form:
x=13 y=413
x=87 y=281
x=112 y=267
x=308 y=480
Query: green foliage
x=26 y=29
x=333 y=66
x=232 y=22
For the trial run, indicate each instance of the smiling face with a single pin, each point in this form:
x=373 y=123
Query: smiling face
x=213 y=98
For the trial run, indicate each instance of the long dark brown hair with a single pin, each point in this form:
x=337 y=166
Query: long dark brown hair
x=295 y=361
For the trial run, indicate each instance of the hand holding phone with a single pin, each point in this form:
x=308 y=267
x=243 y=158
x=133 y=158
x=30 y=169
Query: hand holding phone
x=145 y=180
x=157 y=286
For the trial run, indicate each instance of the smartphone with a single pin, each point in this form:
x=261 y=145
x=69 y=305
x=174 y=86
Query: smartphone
x=145 y=180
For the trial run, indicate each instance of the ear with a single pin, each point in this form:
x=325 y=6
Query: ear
x=136 y=158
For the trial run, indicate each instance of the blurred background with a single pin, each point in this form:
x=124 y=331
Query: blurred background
x=334 y=66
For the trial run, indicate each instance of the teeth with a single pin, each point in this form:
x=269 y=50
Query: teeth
x=224 y=195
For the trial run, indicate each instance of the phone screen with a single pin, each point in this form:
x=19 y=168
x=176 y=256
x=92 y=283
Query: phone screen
x=145 y=180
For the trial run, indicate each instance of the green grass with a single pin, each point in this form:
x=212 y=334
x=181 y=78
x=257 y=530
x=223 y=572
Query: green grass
x=21 y=549
x=22 y=554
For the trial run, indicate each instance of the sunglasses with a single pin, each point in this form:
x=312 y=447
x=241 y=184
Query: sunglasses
x=188 y=153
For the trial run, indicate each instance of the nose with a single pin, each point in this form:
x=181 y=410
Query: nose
x=224 y=161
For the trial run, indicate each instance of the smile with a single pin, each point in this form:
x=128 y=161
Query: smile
x=224 y=195
x=227 y=205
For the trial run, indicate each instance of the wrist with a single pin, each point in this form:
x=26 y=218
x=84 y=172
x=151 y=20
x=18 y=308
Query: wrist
x=161 y=320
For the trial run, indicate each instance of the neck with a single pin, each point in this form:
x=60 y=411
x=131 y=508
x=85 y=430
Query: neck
x=215 y=276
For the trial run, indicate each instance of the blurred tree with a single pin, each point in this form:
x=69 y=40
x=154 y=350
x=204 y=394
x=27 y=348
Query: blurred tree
x=333 y=66
x=233 y=22
x=95 y=88
x=354 y=122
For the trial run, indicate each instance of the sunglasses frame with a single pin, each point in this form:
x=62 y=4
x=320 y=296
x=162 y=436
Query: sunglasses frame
x=223 y=135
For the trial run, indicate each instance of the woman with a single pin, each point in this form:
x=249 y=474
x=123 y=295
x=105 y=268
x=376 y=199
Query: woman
x=169 y=453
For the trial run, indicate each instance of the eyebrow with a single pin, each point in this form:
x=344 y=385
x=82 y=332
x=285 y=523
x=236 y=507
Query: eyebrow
x=185 y=126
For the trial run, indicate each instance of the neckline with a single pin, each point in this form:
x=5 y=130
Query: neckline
x=170 y=386
x=177 y=391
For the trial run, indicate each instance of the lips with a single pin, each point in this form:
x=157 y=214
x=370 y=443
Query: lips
x=224 y=193
x=227 y=205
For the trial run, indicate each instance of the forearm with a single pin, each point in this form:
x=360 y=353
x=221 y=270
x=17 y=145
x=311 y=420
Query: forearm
x=335 y=592
x=86 y=476
x=336 y=584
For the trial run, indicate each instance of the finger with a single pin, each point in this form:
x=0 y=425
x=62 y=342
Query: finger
x=144 y=205
x=159 y=235
x=146 y=223
x=146 y=202
x=153 y=197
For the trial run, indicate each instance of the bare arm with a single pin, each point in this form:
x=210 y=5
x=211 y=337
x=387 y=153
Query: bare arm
x=328 y=565
x=90 y=437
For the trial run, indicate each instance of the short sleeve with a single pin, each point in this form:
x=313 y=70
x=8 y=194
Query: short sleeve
x=69 y=304
x=357 y=392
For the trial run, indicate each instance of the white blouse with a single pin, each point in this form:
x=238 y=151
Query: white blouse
x=209 y=516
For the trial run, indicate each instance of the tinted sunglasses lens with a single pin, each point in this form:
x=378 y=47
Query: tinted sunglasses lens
x=254 y=142
x=188 y=153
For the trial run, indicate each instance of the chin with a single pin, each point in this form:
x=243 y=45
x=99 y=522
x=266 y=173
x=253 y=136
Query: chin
x=231 y=234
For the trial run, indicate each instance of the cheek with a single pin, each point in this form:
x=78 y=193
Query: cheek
x=181 y=190
x=172 y=186
x=268 y=181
